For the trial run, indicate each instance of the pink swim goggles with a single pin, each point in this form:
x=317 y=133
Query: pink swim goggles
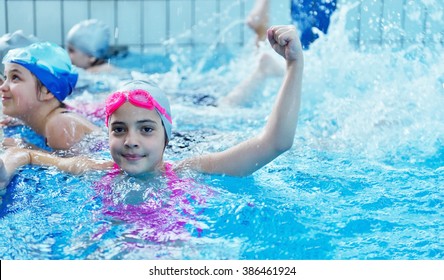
x=137 y=97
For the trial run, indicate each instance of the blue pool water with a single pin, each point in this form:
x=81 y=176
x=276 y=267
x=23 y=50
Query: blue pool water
x=364 y=179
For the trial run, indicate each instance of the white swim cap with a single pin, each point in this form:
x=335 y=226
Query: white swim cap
x=91 y=37
x=14 y=40
x=145 y=95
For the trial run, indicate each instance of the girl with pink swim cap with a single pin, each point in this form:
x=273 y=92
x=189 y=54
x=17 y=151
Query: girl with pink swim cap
x=139 y=127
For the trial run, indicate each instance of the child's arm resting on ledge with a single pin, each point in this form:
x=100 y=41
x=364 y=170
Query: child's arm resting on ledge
x=14 y=158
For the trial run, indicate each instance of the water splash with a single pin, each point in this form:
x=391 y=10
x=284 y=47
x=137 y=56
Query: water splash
x=212 y=48
x=379 y=102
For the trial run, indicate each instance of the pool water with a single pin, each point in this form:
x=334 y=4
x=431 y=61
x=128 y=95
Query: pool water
x=364 y=179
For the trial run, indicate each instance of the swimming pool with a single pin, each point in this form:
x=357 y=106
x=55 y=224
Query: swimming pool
x=364 y=179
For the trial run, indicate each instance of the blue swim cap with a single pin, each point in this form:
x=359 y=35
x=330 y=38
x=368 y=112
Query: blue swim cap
x=50 y=63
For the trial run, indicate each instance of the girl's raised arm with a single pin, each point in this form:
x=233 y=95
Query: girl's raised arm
x=278 y=134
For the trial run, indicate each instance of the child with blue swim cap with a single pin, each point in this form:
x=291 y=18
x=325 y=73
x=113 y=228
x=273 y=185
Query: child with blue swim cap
x=38 y=78
x=139 y=123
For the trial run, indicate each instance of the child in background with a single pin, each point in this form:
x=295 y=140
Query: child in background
x=38 y=78
x=88 y=44
x=140 y=121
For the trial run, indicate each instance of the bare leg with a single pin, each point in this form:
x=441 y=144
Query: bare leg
x=244 y=92
x=258 y=19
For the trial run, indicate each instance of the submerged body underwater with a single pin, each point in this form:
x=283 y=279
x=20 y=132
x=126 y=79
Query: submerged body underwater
x=364 y=179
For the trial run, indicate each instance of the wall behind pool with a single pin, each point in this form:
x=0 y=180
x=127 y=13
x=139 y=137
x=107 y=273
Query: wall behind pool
x=144 y=25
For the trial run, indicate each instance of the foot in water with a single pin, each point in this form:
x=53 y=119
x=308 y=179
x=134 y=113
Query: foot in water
x=257 y=20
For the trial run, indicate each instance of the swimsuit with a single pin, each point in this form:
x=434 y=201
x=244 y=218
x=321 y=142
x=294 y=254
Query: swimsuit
x=167 y=214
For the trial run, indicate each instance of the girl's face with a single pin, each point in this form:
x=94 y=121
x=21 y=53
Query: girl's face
x=18 y=91
x=136 y=139
x=79 y=58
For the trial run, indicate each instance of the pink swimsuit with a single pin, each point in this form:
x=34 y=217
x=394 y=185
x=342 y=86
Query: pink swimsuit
x=155 y=219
